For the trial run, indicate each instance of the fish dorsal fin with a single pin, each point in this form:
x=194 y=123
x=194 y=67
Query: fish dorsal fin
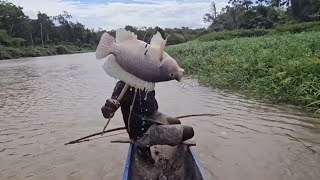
x=123 y=35
x=159 y=43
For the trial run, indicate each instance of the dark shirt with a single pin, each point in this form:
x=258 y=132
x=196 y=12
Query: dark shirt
x=145 y=105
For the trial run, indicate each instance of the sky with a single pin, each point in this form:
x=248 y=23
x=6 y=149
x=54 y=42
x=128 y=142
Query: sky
x=113 y=14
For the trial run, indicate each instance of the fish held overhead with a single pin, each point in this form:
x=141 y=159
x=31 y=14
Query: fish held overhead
x=135 y=62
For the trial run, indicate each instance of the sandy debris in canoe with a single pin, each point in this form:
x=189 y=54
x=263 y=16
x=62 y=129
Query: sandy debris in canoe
x=171 y=163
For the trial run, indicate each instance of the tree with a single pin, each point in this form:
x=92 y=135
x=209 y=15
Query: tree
x=247 y=4
x=12 y=18
x=46 y=26
x=18 y=29
x=244 y=14
x=235 y=2
x=301 y=10
x=211 y=16
x=263 y=2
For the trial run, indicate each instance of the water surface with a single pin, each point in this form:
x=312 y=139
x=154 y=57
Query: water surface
x=48 y=101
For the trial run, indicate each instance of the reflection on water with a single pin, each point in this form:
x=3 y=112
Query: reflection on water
x=47 y=101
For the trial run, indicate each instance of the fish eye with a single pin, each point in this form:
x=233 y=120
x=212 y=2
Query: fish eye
x=171 y=74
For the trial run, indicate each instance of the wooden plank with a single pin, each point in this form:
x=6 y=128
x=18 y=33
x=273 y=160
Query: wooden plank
x=189 y=142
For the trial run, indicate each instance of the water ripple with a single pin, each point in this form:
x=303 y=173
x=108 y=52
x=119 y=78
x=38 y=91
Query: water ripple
x=46 y=101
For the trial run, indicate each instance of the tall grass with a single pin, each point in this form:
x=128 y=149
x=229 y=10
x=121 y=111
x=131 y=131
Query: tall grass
x=281 y=29
x=279 y=68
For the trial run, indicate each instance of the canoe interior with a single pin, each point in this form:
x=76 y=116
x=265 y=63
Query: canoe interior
x=171 y=163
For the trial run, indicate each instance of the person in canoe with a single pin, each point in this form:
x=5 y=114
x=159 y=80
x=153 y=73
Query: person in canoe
x=146 y=122
x=141 y=65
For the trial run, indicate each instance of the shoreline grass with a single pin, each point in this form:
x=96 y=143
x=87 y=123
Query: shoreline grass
x=46 y=50
x=276 y=68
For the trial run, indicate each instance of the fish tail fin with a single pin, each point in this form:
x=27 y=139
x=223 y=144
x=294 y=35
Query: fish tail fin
x=105 y=46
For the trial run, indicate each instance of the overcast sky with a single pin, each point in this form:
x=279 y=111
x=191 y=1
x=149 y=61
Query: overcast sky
x=112 y=14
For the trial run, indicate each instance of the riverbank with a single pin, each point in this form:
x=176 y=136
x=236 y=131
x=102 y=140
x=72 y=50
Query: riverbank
x=46 y=50
x=276 y=68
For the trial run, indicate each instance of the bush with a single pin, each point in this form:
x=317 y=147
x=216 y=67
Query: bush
x=297 y=28
x=18 y=42
x=5 y=55
x=226 y=35
x=5 y=39
x=87 y=46
x=176 y=39
x=28 y=52
x=49 y=42
x=46 y=50
x=62 y=50
x=14 y=52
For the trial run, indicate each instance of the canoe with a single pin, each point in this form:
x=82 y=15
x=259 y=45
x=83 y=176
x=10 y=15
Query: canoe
x=178 y=162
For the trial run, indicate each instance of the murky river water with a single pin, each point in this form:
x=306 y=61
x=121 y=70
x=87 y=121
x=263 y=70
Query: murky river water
x=48 y=101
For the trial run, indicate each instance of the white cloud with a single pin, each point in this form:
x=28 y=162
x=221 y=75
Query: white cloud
x=112 y=15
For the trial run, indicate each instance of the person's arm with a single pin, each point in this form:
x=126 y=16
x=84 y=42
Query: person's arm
x=112 y=105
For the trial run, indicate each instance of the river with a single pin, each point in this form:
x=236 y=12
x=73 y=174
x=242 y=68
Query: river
x=48 y=101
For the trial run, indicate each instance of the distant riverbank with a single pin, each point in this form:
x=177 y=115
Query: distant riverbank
x=46 y=50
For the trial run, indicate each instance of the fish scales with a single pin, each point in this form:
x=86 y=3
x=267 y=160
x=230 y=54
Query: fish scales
x=151 y=72
x=136 y=62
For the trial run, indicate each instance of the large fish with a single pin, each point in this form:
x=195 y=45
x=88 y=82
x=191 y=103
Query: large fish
x=135 y=62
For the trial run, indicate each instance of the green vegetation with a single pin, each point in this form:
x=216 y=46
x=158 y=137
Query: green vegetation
x=282 y=29
x=267 y=14
x=46 y=50
x=14 y=48
x=269 y=50
x=21 y=36
x=225 y=35
x=278 y=68
x=297 y=28
x=177 y=35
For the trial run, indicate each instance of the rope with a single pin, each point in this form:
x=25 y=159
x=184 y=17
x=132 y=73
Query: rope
x=131 y=107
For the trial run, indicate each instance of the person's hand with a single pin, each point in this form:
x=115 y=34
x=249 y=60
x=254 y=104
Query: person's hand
x=110 y=108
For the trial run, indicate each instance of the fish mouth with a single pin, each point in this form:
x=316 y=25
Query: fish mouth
x=178 y=76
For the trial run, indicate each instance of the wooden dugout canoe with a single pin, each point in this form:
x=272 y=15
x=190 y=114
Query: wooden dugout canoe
x=171 y=163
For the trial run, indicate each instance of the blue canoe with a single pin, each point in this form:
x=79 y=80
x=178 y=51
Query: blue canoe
x=178 y=162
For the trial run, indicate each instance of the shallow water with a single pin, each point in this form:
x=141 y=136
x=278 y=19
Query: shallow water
x=48 y=101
